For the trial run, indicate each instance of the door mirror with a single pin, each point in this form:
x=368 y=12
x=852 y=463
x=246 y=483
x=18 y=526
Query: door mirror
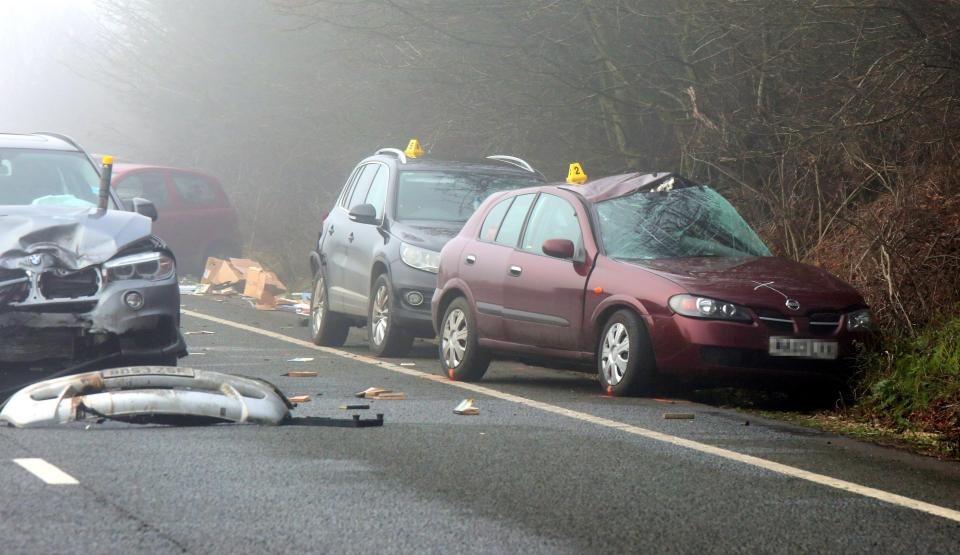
x=141 y=206
x=364 y=214
x=558 y=248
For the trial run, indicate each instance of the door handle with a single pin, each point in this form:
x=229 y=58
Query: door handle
x=350 y=237
x=471 y=259
x=515 y=270
x=330 y=231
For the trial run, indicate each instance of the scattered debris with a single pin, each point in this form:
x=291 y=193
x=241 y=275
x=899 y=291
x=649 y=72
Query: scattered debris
x=408 y=364
x=148 y=394
x=302 y=374
x=199 y=332
x=354 y=407
x=381 y=394
x=678 y=416
x=354 y=422
x=299 y=399
x=301 y=359
x=466 y=408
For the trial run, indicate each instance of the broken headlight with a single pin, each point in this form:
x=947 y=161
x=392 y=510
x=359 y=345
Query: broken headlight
x=859 y=320
x=705 y=307
x=152 y=266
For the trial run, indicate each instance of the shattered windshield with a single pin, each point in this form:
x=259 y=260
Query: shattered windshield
x=450 y=196
x=47 y=178
x=681 y=223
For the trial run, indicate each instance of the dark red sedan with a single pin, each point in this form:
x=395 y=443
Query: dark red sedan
x=646 y=275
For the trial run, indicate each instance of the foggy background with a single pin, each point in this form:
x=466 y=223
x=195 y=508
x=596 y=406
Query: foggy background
x=831 y=126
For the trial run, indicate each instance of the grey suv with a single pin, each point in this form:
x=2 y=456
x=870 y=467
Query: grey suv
x=83 y=282
x=376 y=258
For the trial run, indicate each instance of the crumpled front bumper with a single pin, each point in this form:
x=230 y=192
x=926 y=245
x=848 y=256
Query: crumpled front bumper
x=103 y=327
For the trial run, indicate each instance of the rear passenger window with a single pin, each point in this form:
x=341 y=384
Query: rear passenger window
x=491 y=224
x=149 y=185
x=195 y=190
x=378 y=190
x=360 y=190
x=509 y=232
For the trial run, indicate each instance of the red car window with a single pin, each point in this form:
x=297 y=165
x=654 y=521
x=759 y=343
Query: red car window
x=195 y=190
x=148 y=185
x=509 y=233
x=491 y=224
x=551 y=218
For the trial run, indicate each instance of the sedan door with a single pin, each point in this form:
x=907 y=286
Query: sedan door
x=484 y=258
x=543 y=295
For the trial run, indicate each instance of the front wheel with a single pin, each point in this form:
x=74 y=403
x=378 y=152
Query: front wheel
x=625 y=359
x=387 y=339
x=461 y=358
x=327 y=328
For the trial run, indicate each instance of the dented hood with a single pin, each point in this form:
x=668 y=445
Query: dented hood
x=76 y=237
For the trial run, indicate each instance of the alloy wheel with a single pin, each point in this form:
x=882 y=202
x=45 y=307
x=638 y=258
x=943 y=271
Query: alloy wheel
x=319 y=306
x=381 y=315
x=615 y=353
x=454 y=338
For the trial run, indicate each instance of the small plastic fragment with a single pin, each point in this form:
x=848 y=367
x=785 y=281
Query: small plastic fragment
x=199 y=332
x=301 y=359
x=299 y=399
x=466 y=408
x=354 y=407
x=301 y=374
x=678 y=416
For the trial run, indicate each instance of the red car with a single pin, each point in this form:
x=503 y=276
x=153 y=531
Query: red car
x=646 y=275
x=196 y=218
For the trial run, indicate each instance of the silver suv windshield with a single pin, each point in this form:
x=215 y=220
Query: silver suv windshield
x=688 y=222
x=47 y=178
x=450 y=196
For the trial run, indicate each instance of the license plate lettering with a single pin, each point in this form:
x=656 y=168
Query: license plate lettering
x=804 y=348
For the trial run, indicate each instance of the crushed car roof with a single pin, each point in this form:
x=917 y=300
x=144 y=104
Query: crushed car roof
x=616 y=186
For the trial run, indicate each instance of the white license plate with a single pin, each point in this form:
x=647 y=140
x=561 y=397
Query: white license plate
x=804 y=348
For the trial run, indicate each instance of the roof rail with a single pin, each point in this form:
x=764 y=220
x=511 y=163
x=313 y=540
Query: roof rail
x=69 y=140
x=63 y=138
x=513 y=161
x=399 y=153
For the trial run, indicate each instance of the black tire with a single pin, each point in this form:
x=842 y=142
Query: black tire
x=461 y=357
x=385 y=337
x=327 y=328
x=632 y=367
x=166 y=360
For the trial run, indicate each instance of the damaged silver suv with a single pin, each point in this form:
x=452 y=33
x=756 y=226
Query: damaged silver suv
x=83 y=283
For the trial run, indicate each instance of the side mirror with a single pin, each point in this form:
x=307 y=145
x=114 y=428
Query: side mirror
x=364 y=214
x=559 y=248
x=141 y=206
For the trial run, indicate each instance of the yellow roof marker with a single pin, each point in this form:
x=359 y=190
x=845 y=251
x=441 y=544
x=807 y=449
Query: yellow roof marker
x=576 y=175
x=413 y=149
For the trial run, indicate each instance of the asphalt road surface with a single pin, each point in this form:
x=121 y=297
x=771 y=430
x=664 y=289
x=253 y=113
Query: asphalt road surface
x=549 y=465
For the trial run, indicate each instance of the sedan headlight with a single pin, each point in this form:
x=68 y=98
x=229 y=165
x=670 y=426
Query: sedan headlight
x=707 y=308
x=153 y=266
x=421 y=259
x=859 y=320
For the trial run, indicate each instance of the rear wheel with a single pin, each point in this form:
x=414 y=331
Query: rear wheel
x=461 y=358
x=625 y=359
x=327 y=328
x=387 y=339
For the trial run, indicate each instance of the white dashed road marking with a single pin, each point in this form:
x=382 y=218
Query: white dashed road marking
x=786 y=470
x=47 y=472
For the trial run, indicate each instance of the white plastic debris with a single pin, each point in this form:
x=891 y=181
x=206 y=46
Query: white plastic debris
x=147 y=394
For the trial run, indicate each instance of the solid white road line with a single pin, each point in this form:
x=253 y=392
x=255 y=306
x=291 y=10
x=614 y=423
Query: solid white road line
x=46 y=472
x=793 y=472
